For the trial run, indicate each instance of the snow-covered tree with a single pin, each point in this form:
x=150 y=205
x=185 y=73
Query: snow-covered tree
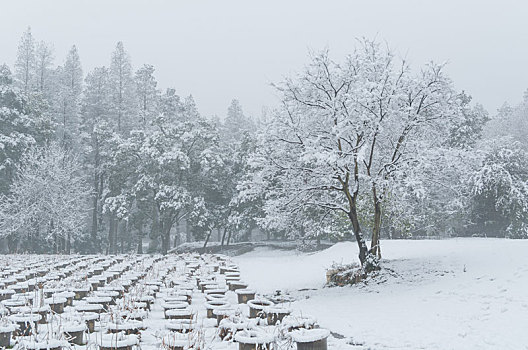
x=122 y=89
x=95 y=131
x=23 y=124
x=348 y=129
x=172 y=158
x=43 y=67
x=69 y=87
x=498 y=182
x=47 y=200
x=147 y=94
x=236 y=122
x=25 y=62
x=500 y=190
x=468 y=129
x=425 y=201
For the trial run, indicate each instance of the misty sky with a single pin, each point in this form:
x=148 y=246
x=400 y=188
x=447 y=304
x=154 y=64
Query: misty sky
x=221 y=49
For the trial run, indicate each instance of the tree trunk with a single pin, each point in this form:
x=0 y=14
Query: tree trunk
x=55 y=240
x=207 y=238
x=188 y=234
x=36 y=236
x=68 y=244
x=100 y=193
x=362 y=245
x=62 y=241
x=154 y=229
x=177 y=235
x=223 y=236
x=111 y=237
x=228 y=238
x=139 y=238
x=139 y=243
x=122 y=237
x=12 y=243
x=114 y=236
x=95 y=200
x=29 y=239
x=352 y=215
x=130 y=237
x=165 y=239
x=375 y=243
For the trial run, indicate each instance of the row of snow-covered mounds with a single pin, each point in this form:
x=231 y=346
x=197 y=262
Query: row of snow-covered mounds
x=130 y=302
x=468 y=293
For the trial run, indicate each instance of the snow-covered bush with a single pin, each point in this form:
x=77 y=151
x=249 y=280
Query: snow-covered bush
x=500 y=190
x=48 y=201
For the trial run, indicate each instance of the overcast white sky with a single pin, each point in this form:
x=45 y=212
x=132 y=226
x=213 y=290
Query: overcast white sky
x=223 y=49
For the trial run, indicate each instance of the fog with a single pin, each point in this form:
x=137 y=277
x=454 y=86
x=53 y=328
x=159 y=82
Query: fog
x=219 y=50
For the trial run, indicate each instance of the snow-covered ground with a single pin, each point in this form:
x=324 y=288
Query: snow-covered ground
x=441 y=294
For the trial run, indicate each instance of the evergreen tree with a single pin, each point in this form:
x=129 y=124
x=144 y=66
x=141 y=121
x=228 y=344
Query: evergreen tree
x=43 y=68
x=23 y=124
x=122 y=90
x=68 y=96
x=147 y=94
x=25 y=62
x=95 y=129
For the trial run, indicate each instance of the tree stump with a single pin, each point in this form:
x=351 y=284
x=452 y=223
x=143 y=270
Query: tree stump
x=128 y=327
x=104 y=301
x=245 y=295
x=26 y=324
x=80 y=293
x=75 y=334
x=5 y=335
x=311 y=339
x=175 y=341
x=257 y=306
x=253 y=340
x=179 y=314
x=90 y=324
x=214 y=304
x=149 y=300
x=6 y=294
x=43 y=312
x=51 y=344
x=221 y=313
x=97 y=308
x=181 y=326
x=56 y=304
x=234 y=285
x=276 y=314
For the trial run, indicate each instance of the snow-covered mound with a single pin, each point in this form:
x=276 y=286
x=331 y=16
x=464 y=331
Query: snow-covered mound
x=434 y=294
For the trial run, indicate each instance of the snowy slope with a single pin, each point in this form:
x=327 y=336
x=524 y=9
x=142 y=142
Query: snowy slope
x=442 y=294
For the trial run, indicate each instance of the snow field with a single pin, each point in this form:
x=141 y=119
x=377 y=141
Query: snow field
x=434 y=294
x=133 y=295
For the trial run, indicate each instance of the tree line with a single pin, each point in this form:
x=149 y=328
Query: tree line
x=363 y=149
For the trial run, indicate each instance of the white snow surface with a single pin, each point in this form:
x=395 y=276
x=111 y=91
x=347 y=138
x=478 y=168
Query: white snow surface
x=468 y=293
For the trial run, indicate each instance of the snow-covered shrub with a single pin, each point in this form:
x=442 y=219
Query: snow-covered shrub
x=500 y=190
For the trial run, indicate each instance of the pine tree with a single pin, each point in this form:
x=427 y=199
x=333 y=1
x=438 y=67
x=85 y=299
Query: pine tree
x=25 y=62
x=22 y=125
x=69 y=90
x=236 y=123
x=94 y=129
x=43 y=64
x=147 y=94
x=122 y=90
